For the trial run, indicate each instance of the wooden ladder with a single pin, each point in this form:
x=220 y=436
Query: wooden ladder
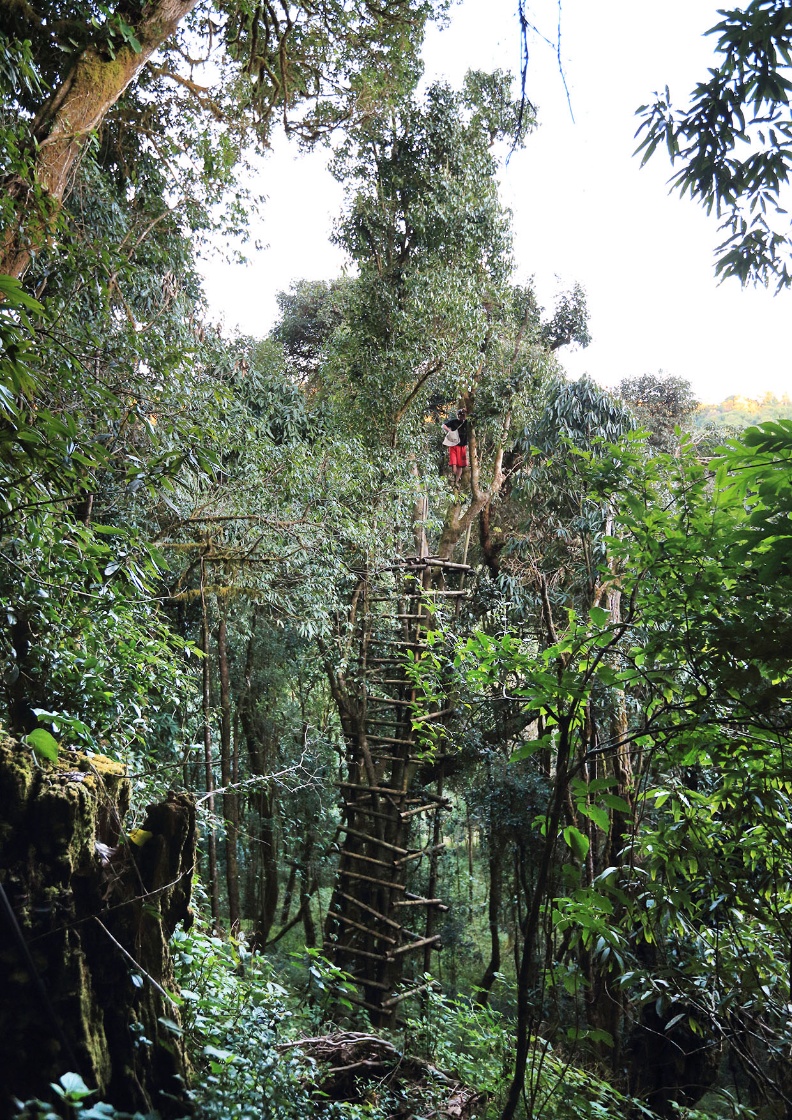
x=375 y=921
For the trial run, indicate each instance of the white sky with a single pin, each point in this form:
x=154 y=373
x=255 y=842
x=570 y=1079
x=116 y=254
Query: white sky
x=583 y=208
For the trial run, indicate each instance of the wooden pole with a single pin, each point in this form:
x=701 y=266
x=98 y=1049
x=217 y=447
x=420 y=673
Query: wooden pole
x=214 y=893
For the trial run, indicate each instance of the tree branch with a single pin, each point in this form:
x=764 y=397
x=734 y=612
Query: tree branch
x=199 y=92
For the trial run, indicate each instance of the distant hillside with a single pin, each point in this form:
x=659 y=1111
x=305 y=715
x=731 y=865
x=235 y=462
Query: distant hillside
x=740 y=412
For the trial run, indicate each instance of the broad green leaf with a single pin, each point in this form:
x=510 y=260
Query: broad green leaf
x=599 y=616
x=613 y=801
x=225 y=1056
x=72 y=1087
x=43 y=743
x=599 y=816
x=576 y=841
x=529 y=748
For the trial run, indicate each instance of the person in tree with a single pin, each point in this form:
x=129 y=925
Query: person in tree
x=456 y=440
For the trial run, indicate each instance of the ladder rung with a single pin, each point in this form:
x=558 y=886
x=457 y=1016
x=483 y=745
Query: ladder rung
x=438 y=902
x=414 y=945
x=417 y=855
x=439 y=562
x=374 y=789
x=360 y=807
x=370 y=910
x=371 y=879
x=369 y=1006
x=373 y=839
x=364 y=983
x=435 y=715
x=366 y=859
x=421 y=809
x=389 y=1004
x=353 y=951
x=364 y=929
x=391 y=642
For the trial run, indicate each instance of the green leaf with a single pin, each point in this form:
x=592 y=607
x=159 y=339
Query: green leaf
x=224 y=1056
x=101 y=1111
x=591 y=1034
x=44 y=744
x=170 y=1025
x=608 y=675
x=576 y=841
x=599 y=816
x=529 y=748
x=613 y=801
x=13 y=291
x=110 y=530
x=71 y=1087
x=599 y=616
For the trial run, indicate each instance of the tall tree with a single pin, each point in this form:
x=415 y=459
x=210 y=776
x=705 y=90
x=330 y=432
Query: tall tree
x=434 y=319
x=661 y=403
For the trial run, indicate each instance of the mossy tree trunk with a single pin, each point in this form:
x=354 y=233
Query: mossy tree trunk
x=66 y=121
x=84 y=963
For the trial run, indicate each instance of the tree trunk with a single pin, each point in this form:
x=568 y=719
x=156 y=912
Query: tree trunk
x=214 y=893
x=306 y=878
x=526 y=978
x=371 y=918
x=431 y=888
x=459 y=518
x=81 y=915
x=490 y=549
x=287 y=897
x=64 y=124
x=230 y=803
x=265 y=905
x=259 y=749
x=495 y=898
